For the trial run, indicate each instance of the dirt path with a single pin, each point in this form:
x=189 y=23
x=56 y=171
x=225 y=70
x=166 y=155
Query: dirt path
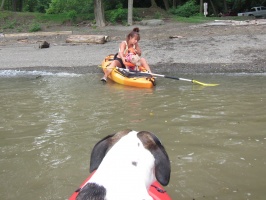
x=194 y=48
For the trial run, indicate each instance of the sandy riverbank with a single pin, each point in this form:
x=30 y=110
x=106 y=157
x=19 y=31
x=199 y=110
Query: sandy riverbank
x=201 y=48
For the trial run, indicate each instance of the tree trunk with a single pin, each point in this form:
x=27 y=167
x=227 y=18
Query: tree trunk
x=130 y=12
x=20 y=5
x=99 y=13
x=201 y=6
x=153 y=4
x=166 y=4
x=174 y=3
x=225 y=7
x=2 y=5
x=213 y=8
x=14 y=5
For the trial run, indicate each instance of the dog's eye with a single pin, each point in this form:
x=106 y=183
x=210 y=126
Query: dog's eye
x=134 y=163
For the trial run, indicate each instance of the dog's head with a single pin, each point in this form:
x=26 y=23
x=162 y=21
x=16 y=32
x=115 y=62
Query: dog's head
x=133 y=58
x=127 y=163
x=136 y=60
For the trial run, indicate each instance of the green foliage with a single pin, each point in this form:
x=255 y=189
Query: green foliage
x=112 y=4
x=117 y=15
x=35 y=27
x=10 y=24
x=55 y=7
x=157 y=15
x=188 y=9
x=3 y=15
x=58 y=18
x=136 y=17
x=72 y=15
x=64 y=6
x=42 y=5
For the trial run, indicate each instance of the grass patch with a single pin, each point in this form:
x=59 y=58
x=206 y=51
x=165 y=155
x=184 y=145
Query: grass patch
x=10 y=24
x=4 y=14
x=202 y=19
x=62 y=17
x=35 y=27
x=57 y=18
x=29 y=21
x=157 y=15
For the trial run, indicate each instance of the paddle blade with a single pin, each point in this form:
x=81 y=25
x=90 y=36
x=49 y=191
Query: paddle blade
x=204 y=84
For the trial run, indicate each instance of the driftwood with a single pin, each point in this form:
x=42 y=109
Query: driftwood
x=44 y=44
x=98 y=39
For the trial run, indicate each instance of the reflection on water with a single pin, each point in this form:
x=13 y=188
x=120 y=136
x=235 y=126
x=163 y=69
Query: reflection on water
x=215 y=136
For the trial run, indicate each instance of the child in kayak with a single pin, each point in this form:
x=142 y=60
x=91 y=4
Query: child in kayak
x=131 y=42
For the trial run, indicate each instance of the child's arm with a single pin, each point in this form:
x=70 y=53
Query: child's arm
x=121 y=51
x=138 y=50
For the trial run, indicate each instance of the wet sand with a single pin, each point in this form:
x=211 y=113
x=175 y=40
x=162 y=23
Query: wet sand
x=201 y=48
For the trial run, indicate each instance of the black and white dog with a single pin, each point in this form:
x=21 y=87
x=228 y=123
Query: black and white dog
x=127 y=163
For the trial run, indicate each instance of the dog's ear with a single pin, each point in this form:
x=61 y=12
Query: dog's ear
x=102 y=147
x=162 y=162
x=99 y=151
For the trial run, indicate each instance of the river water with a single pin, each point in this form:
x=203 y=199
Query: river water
x=215 y=136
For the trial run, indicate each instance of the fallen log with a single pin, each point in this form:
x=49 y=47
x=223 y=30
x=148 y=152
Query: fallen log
x=97 y=39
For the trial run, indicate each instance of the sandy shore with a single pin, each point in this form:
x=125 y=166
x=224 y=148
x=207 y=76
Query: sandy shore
x=201 y=48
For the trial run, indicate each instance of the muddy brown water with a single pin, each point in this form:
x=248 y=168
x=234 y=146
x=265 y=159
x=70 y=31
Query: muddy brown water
x=215 y=136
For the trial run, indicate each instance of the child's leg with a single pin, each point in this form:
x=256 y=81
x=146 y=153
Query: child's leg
x=145 y=64
x=109 y=69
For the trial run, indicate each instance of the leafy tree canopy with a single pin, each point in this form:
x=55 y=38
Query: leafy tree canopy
x=185 y=7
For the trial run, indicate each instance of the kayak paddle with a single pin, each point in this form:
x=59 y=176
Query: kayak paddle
x=176 y=78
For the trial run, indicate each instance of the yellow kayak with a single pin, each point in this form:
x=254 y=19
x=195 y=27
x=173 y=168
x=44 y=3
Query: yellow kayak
x=120 y=75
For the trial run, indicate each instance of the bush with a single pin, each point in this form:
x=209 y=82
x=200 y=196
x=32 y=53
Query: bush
x=72 y=15
x=55 y=7
x=188 y=9
x=10 y=24
x=63 y=6
x=120 y=15
x=35 y=27
x=41 y=8
x=157 y=15
x=117 y=15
